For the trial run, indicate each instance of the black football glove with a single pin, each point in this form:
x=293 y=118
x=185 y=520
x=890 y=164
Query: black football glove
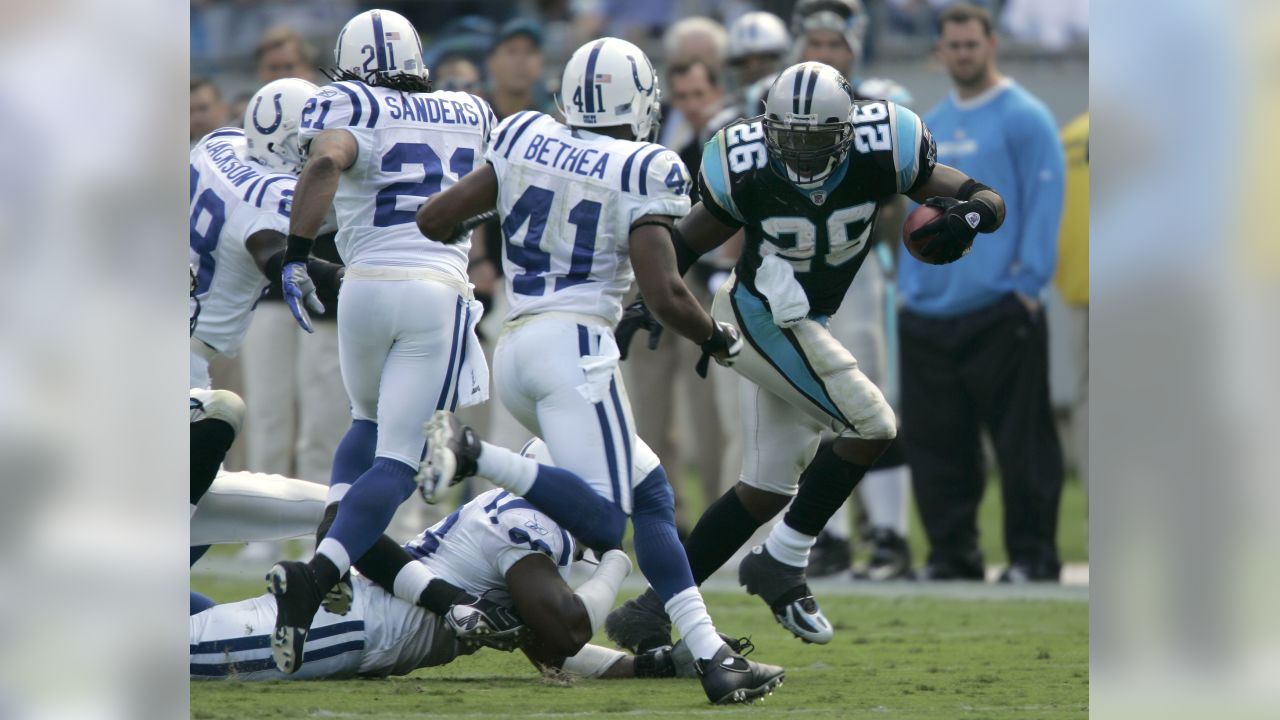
x=635 y=318
x=726 y=339
x=954 y=232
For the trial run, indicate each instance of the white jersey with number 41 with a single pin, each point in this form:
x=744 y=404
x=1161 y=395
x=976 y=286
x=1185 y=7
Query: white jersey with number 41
x=567 y=198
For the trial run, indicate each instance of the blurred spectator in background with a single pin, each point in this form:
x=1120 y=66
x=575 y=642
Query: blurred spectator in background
x=1053 y=25
x=634 y=20
x=470 y=36
x=1073 y=280
x=515 y=70
x=208 y=109
x=694 y=39
x=758 y=46
x=457 y=73
x=238 y=106
x=973 y=334
x=283 y=53
x=294 y=420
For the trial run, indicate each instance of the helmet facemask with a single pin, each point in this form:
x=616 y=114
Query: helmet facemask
x=807 y=154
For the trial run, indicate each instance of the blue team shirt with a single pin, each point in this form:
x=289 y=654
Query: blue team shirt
x=1006 y=139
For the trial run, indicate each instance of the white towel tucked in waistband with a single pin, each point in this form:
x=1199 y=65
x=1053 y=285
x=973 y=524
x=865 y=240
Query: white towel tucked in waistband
x=776 y=279
x=473 y=376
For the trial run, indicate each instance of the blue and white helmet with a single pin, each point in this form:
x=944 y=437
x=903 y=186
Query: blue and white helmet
x=608 y=83
x=271 y=124
x=808 y=123
x=758 y=33
x=380 y=42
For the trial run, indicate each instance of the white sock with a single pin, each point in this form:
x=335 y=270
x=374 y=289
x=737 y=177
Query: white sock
x=838 y=525
x=411 y=581
x=336 y=493
x=788 y=545
x=689 y=614
x=337 y=554
x=884 y=493
x=508 y=470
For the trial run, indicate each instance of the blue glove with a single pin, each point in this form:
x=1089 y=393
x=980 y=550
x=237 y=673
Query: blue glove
x=300 y=293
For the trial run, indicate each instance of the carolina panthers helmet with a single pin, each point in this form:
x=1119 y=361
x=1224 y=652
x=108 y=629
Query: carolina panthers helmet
x=608 y=83
x=380 y=42
x=758 y=33
x=808 y=123
x=271 y=124
x=846 y=17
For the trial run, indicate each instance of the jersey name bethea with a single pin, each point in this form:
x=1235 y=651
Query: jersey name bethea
x=556 y=153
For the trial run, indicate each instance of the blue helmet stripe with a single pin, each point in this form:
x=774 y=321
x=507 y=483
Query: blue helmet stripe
x=380 y=41
x=589 y=84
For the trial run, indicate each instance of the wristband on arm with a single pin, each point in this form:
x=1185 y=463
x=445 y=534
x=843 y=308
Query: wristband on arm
x=297 y=249
x=991 y=219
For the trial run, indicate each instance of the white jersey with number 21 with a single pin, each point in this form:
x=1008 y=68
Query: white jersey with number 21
x=410 y=147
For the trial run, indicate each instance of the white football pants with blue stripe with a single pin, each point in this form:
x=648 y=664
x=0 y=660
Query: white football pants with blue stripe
x=381 y=635
x=795 y=382
x=403 y=335
x=558 y=374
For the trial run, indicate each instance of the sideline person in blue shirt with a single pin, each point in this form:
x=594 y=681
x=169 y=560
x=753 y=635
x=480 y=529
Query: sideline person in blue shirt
x=974 y=343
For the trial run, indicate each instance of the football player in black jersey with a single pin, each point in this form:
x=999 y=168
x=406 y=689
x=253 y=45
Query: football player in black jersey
x=804 y=181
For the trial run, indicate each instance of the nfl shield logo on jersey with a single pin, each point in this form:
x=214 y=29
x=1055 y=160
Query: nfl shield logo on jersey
x=818 y=197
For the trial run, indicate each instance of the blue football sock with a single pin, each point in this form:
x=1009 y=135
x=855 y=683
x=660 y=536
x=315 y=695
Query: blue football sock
x=354 y=455
x=200 y=603
x=568 y=500
x=198 y=552
x=367 y=509
x=658 y=550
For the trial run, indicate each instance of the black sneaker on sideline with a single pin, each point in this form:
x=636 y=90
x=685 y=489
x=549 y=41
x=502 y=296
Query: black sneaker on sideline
x=966 y=567
x=830 y=555
x=890 y=557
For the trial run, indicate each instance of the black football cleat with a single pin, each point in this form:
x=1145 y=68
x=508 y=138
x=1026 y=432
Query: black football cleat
x=452 y=451
x=480 y=622
x=830 y=555
x=890 y=557
x=784 y=589
x=298 y=599
x=639 y=625
x=730 y=678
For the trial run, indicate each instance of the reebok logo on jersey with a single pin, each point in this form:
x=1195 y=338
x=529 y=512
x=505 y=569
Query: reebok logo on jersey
x=973 y=219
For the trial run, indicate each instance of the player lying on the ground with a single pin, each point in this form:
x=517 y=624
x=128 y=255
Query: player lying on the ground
x=242 y=184
x=496 y=544
x=805 y=182
x=581 y=202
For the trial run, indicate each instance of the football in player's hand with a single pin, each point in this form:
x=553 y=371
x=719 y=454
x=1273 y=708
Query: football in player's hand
x=918 y=218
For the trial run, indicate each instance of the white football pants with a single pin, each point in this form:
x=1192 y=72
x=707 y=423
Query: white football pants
x=402 y=339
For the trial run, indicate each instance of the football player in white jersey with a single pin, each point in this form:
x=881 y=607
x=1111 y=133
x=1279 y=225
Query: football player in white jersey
x=379 y=144
x=242 y=184
x=579 y=205
x=498 y=545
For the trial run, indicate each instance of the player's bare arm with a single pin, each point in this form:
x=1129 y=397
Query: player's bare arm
x=653 y=257
x=267 y=247
x=476 y=193
x=331 y=152
x=701 y=232
x=555 y=616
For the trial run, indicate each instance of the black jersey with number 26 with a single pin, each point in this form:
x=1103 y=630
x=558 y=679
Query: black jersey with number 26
x=824 y=232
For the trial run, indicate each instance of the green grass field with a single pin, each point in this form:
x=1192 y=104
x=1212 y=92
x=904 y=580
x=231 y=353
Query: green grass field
x=907 y=657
